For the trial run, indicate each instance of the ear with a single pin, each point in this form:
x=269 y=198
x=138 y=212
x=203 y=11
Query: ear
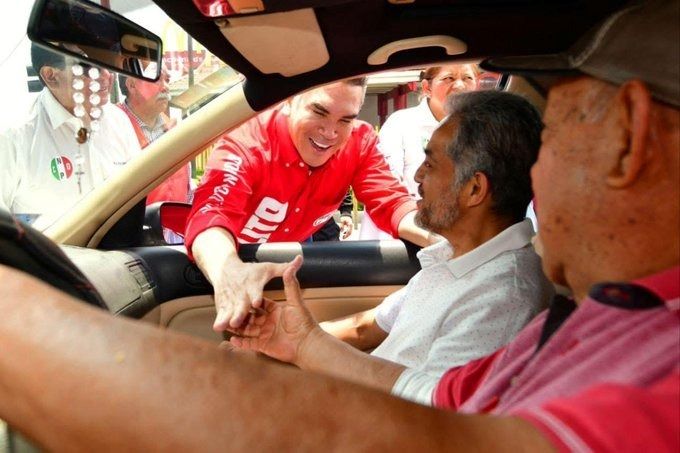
x=130 y=83
x=635 y=100
x=476 y=190
x=49 y=76
x=426 y=88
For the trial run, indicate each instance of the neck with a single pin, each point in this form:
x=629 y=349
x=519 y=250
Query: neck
x=147 y=115
x=469 y=233
x=437 y=113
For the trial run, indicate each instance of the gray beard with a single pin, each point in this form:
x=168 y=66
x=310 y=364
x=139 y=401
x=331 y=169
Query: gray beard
x=440 y=216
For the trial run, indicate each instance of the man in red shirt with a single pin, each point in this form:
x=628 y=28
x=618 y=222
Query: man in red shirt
x=601 y=373
x=280 y=177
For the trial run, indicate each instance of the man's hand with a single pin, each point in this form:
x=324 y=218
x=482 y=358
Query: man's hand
x=238 y=285
x=346 y=226
x=284 y=327
x=238 y=289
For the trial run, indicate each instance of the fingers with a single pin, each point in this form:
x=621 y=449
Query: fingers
x=291 y=269
x=291 y=287
x=236 y=302
x=223 y=318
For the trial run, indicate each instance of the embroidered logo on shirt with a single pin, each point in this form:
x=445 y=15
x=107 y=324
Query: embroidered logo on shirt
x=323 y=219
x=61 y=168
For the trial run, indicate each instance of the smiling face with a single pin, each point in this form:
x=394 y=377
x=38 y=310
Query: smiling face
x=439 y=207
x=321 y=120
x=449 y=80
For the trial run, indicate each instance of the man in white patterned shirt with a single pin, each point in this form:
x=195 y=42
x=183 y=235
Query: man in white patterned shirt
x=475 y=291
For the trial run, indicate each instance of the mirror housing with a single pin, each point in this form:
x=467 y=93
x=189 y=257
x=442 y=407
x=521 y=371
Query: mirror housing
x=96 y=35
x=165 y=222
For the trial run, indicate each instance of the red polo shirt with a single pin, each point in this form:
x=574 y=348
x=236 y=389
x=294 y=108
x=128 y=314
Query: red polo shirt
x=606 y=379
x=257 y=187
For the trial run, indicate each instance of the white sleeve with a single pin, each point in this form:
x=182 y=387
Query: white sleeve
x=9 y=169
x=486 y=318
x=416 y=386
x=391 y=144
x=386 y=313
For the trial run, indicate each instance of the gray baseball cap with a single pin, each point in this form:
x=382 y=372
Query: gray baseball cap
x=641 y=41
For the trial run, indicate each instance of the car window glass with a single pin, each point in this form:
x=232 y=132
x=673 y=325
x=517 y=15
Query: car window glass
x=66 y=127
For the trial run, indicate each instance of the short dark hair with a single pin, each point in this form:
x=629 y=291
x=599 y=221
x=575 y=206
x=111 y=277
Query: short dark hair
x=121 y=84
x=357 y=81
x=42 y=57
x=498 y=134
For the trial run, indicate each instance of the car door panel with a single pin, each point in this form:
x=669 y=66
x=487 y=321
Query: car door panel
x=161 y=285
x=194 y=315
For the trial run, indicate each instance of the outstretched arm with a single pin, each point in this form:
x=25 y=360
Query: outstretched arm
x=288 y=332
x=238 y=286
x=75 y=378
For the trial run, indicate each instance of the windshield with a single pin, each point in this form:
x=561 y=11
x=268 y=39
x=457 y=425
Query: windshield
x=67 y=127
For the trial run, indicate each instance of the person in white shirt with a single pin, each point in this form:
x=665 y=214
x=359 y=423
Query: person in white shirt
x=475 y=291
x=406 y=132
x=44 y=170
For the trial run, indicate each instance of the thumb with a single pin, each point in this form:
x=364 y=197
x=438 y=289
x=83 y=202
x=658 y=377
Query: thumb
x=291 y=287
x=278 y=269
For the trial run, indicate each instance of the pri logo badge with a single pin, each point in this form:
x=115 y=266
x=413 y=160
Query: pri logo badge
x=61 y=167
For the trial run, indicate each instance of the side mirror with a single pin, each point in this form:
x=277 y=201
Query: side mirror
x=96 y=35
x=165 y=222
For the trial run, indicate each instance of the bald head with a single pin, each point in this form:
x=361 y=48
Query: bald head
x=607 y=183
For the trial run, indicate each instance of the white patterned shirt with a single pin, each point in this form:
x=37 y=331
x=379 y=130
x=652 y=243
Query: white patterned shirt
x=457 y=310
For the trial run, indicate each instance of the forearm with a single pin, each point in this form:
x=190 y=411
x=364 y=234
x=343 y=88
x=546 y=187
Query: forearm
x=74 y=378
x=323 y=353
x=359 y=330
x=214 y=250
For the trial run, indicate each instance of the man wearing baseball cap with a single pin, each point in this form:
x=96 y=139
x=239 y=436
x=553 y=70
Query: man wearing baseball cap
x=600 y=372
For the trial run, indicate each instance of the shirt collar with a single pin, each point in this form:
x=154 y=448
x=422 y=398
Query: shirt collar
x=56 y=112
x=157 y=127
x=665 y=284
x=512 y=238
x=426 y=112
x=439 y=252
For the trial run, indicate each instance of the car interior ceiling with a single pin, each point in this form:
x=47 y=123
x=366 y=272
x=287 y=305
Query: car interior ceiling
x=546 y=27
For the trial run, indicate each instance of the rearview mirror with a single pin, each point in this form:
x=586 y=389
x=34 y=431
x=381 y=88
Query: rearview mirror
x=96 y=35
